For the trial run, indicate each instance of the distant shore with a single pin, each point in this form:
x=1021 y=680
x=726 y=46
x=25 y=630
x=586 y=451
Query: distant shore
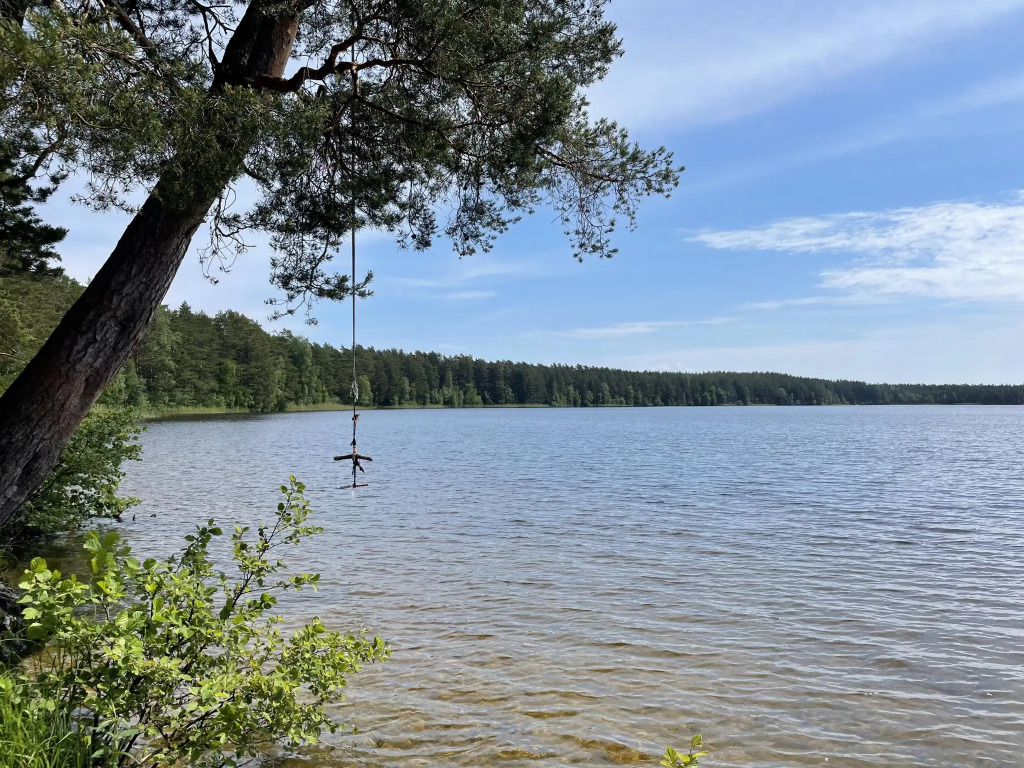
x=147 y=414
x=174 y=413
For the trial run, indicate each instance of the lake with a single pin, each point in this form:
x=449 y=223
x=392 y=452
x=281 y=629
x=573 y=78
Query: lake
x=800 y=585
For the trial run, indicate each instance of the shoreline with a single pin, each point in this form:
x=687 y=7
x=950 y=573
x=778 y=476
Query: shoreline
x=171 y=413
x=184 y=412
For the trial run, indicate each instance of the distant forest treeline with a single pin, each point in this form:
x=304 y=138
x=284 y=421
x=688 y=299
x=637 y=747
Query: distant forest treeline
x=192 y=360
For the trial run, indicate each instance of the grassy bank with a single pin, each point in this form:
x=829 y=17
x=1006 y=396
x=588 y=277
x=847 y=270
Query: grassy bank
x=151 y=414
x=36 y=736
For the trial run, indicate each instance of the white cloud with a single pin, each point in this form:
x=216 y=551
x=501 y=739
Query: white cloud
x=619 y=330
x=470 y=280
x=468 y=272
x=463 y=295
x=995 y=92
x=703 y=65
x=949 y=250
x=806 y=301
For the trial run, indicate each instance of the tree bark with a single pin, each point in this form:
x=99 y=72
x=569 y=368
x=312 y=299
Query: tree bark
x=47 y=402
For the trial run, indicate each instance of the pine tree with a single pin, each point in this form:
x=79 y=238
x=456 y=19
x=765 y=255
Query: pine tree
x=408 y=109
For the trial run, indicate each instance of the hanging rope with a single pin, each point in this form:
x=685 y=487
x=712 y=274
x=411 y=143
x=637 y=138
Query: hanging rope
x=352 y=284
x=354 y=390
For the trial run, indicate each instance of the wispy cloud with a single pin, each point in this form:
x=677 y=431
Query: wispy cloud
x=751 y=56
x=462 y=295
x=809 y=301
x=468 y=272
x=619 y=330
x=994 y=92
x=917 y=121
x=470 y=280
x=949 y=250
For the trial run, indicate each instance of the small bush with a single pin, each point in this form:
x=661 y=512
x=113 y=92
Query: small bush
x=673 y=759
x=84 y=483
x=171 y=662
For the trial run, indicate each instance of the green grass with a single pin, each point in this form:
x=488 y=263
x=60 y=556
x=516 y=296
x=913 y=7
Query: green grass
x=32 y=736
x=148 y=414
x=293 y=408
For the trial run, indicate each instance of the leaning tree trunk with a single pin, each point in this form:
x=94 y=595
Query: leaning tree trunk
x=47 y=402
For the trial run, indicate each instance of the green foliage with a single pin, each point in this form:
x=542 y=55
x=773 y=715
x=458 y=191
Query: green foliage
x=30 y=308
x=191 y=360
x=14 y=340
x=26 y=242
x=673 y=759
x=73 y=81
x=173 y=662
x=466 y=117
x=37 y=731
x=365 y=390
x=85 y=481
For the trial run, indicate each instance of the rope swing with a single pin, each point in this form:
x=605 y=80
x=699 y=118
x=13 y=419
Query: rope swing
x=354 y=456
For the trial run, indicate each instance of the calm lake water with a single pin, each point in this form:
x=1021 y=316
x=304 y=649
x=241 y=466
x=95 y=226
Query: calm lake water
x=586 y=586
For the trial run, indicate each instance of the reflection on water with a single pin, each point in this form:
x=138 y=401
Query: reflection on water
x=586 y=586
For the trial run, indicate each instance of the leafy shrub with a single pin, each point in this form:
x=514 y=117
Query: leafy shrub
x=174 y=662
x=673 y=759
x=84 y=483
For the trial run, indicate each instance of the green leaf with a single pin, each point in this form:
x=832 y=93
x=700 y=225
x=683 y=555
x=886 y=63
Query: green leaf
x=185 y=662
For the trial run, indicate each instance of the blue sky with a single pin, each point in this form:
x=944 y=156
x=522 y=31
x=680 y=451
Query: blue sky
x=852 y=208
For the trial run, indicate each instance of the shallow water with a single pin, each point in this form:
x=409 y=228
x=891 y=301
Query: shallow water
x=586 y=586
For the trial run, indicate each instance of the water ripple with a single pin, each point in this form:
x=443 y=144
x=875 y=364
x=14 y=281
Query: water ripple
x=586 y=586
